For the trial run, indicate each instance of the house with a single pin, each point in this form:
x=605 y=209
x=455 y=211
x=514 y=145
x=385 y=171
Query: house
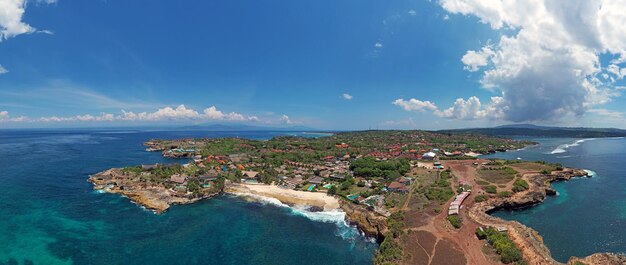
x=149 y=167
x=292 y=183
x=250 y=174
x=338 y=176
x=397 y=187
x=316 y=180
x=178 y=178
x=210 y=176
x=403 y=180
x=429 y=156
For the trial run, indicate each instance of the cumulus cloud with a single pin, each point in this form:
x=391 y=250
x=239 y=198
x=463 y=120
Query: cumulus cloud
x=179 y=113
x=285 y=119
x=473 y=60
x=378 y=45
x=347 y=96
x=412 y=12
x=546 y=64
x=414 y=104
x=470 y=109
x=3 y=70
x=11 y=23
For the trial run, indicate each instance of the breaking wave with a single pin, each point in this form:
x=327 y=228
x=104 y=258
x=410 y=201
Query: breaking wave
x=344 y=230
x=563 y=148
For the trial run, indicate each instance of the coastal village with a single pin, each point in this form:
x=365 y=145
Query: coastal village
x=408 y=189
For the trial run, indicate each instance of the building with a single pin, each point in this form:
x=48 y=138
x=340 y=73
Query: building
x=250 y=174
x=429 y=156
x=316 y=180
x=338 y=176
x=455 y=206
x=397 y=187
x=149 y=167
x=178 y=178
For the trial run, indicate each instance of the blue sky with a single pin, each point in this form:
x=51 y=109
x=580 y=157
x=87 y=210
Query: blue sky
x=402 y=64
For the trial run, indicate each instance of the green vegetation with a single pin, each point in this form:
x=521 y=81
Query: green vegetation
x=579 y=263
x=491 y=189
x=441 y=190
x=498 y=175
x=455 y=220
x=395 y=222
x=480 y=198
x=503 y=245
x=520 y=185
x=505 y=194
x=389 y=252
x=370 y=168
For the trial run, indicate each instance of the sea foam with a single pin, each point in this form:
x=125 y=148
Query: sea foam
x=344 y=230
x=563 y=148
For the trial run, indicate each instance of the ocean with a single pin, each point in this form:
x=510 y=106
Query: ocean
x=51 y=215
x=589 y=214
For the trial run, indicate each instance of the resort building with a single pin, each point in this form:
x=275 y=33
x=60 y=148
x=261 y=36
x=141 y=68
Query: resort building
x=455 y=206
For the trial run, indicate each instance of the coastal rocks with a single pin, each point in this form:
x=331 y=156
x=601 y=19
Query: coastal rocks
x=156 y=198
x=600 y=258
x=370 y=223
x=527 y=239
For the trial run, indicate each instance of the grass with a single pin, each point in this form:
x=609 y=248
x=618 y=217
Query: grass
x=520 y=185
x=491 y=189
x=480 y=198
x=455 y=221
x=508 y=251
x=501 y=175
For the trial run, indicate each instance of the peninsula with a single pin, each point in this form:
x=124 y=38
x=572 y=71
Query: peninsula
x=425 y=196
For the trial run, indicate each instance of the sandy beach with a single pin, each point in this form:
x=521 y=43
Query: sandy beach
x=287 y=196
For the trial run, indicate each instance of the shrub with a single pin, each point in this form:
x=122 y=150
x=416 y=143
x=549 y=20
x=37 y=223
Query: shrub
x=395 y=222
x=503 y=245
x=480 y=198
x=505 y=194
x=520 y=185
x=389 y=251
x=491 y=189
x=455 y=220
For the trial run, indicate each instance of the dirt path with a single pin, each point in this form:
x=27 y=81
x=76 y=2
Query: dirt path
x=433 y=241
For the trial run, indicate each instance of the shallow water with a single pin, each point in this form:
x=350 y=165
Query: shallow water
x=51 y=215
x=589 y=214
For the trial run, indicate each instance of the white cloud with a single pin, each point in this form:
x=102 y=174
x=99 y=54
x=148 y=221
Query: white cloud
x=470 y=109
x=412 y=12
x=378 y=45
x=414 y=105
x=446 y=17
x=3 y=70
x=180 y=113
x=474 y=60
x=11 y=25
x=546 y=65
x=617 y=71
x=285 y=119
x=347 y=96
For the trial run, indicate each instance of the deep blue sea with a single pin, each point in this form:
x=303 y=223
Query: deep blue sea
x=589 y=214
x=49 y=213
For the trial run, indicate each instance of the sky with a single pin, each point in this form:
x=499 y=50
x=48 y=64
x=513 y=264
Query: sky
x=325 y=64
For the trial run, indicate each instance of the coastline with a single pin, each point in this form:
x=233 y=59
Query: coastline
x=366 y=221
x=319 y=200
x=530 y=241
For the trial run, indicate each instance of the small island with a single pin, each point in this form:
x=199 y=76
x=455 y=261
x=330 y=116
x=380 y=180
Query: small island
x=425 y=196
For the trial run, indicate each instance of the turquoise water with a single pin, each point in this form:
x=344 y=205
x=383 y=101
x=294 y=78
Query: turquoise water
x=51 y=215
x=589 y=214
